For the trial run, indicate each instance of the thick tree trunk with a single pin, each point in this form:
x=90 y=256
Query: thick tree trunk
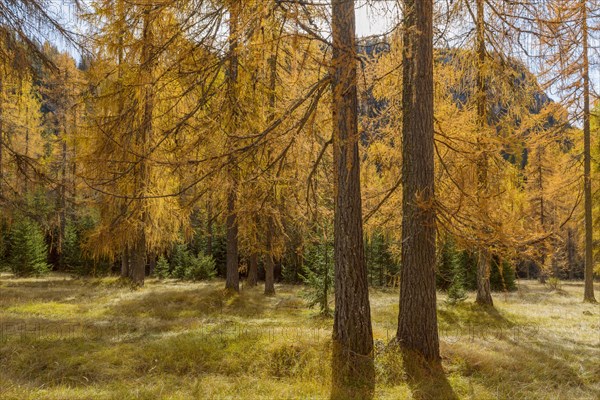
x=151 y=264
x=417 y=321
x=352 y=366
x=137 y=264
x=484 y=293
x=252 y=270
x=232 y=274
x=588 y=294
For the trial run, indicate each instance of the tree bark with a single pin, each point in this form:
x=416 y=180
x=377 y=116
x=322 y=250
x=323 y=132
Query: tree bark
x=252 y=270
x=352 y=365
x=417 y=321
x=209 y=228
x=232 y=279
x=1 y=139
x=232 y=274
x=137 y=264
x=125 y=263
x=570 y=254
x=138 y=252
x=588 y=294
x=484 y=294
x=269 y=262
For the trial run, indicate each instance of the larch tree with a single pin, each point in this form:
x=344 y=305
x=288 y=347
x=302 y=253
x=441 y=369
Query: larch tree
x=352 y=364
x=417 y=321
x=568 y=29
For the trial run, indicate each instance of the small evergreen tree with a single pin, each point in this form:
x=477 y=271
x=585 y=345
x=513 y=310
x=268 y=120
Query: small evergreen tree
x=318 y=276
x=446 y=265
x=28 y=250
x=200 y=267
x=162 y=269
x=502 y=276
x=380 y=261
x=187 y=266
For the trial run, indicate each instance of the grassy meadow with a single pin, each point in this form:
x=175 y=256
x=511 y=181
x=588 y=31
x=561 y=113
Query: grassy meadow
x=64 y=338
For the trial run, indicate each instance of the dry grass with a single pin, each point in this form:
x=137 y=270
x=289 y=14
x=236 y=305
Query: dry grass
x=94 y=339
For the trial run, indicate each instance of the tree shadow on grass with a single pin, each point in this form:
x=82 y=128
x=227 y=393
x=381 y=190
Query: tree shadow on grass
x=427 y=381
x=191 y=303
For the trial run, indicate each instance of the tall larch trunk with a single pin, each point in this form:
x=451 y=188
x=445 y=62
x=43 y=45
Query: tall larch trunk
x=540 y=187
x=588 y=294
x=352 y=363
x=138 y=254
x=63 y=190
x=269 y=262
x=417 y=321
x=1 y=138
x=232 y=279
x=484 y=294
x=209 y=227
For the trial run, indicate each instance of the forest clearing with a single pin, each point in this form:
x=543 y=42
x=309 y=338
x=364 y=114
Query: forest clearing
x=66 y=338
x=299 y=199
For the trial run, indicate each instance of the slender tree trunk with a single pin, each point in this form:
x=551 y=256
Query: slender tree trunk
x=540 y=172
x=232 y=280
x=26 y=166
x=327 y=284
x=232 y=274
x=588 y=295
x=252 y=270
x=209 y=228
x=570 y=254
x=484 y=294
x=1 y=138
x=125 y=263
x=63 y=192
x=139 y=250
x=417 y=321
x=269 y=262
x=352 y=366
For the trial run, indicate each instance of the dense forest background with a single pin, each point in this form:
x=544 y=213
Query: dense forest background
x=142 y=139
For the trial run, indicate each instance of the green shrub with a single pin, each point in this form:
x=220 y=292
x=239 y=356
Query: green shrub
x=73 y=258
x=318 y=276
x=162 y=269
x=189 y=267
x=553 y=283
x=28 y=249
x=200 y=267
x=380 y=260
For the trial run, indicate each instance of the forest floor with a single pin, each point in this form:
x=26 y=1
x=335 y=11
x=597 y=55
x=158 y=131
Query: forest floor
x=63 y=338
